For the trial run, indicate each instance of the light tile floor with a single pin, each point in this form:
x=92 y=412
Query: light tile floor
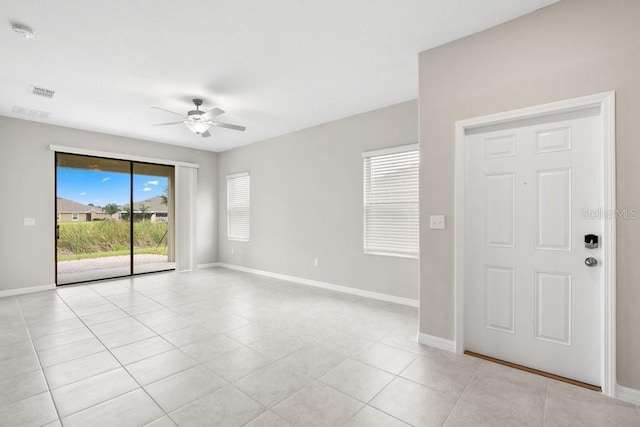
x=218 y=347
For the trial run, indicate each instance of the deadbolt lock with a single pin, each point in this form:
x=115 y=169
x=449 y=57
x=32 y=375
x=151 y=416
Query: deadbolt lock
x=591 y=241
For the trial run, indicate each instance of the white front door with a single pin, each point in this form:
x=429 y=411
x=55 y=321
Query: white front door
x=532 y=193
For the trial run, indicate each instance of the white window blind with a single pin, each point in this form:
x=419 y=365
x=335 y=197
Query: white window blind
x=238 y=206
x=391 y=201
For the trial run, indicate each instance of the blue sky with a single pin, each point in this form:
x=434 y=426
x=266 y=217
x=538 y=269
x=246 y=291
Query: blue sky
x=100 y=187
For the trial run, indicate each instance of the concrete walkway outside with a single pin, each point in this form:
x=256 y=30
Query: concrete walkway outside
x=113 y=266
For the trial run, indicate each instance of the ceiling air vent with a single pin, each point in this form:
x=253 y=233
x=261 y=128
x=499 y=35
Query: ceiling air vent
x=40 y=91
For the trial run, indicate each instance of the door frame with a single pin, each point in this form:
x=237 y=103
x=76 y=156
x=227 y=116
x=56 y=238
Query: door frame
x=131 y=164
x=185 y=201
x=606 y=103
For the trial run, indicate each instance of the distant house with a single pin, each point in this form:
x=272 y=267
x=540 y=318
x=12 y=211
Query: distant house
x=70 y=211
x=156 y=210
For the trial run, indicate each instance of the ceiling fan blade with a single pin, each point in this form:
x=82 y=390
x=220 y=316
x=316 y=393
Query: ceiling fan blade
x=167 y=124
x=227 y=125
x=214 y=112
x=205 y=134
x=169 y=111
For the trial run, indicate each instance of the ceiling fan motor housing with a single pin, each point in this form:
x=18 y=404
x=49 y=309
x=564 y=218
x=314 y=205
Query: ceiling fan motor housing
x=195 y=114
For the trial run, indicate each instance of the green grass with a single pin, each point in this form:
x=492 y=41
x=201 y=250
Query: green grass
x=91 y=239
x=137 y=251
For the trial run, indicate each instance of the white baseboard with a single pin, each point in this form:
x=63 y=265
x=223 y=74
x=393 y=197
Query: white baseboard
x=437 y=342
x=324 y=285
x=209 y=265
x=29 y=290
x=628 y=394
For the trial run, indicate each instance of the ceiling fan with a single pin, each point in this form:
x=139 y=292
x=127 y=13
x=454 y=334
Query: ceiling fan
x=198 y=121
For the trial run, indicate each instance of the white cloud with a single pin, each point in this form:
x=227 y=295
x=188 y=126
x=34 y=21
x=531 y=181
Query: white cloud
x=105 y=179
x=146 y=189
x=96 y=200
x=83 y=194
x=151 y=183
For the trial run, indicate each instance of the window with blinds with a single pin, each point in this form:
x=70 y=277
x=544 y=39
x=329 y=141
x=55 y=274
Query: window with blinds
x=391 y=201
x=238 y=206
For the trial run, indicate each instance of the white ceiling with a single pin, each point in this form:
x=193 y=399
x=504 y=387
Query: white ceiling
x=274 y=66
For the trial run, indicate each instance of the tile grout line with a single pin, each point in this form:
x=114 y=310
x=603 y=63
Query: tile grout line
x=462 y=393
x=317 y=380
x=274 y=361
x=202 y=363
x=198 y=363
x=157 y=334
x=266 y=409
x=118 y=360
x=46 y=381
x=546 y=401
x=395 y=376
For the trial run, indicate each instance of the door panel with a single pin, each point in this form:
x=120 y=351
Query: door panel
x=553 y=307
x=152 y=218
x=550 y=140
x=529 y=298
x=500 y=146
x=499 y=294
x=92 y=241
x=553 y=209
x=500 y=209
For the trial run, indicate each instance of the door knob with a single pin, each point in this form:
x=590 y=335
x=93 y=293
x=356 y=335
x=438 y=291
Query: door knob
x=591 y=262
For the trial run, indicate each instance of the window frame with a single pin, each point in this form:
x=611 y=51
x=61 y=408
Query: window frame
x=75 y=216
x=230 y=177
x=381 y=251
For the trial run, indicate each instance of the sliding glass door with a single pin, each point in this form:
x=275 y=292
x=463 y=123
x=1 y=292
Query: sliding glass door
x=152 y=218
x=114 y=218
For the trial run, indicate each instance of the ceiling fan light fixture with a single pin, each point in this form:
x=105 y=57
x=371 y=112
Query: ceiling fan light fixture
x=197 y=126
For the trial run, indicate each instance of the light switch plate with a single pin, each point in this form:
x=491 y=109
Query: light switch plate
x=29 y=221
x=437 y=222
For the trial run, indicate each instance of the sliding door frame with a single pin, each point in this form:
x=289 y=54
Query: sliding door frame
x=184 y=221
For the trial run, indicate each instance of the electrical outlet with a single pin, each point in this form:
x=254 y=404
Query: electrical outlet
x=316 y=262
x=29 y=221
x=437 y=222
x=233 y=251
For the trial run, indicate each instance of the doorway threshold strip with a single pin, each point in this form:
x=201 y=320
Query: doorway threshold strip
x=535 y=371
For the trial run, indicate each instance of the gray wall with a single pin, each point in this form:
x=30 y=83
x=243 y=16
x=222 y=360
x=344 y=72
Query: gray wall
x=306 y=202
x=27 y=256
x=570 y=49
